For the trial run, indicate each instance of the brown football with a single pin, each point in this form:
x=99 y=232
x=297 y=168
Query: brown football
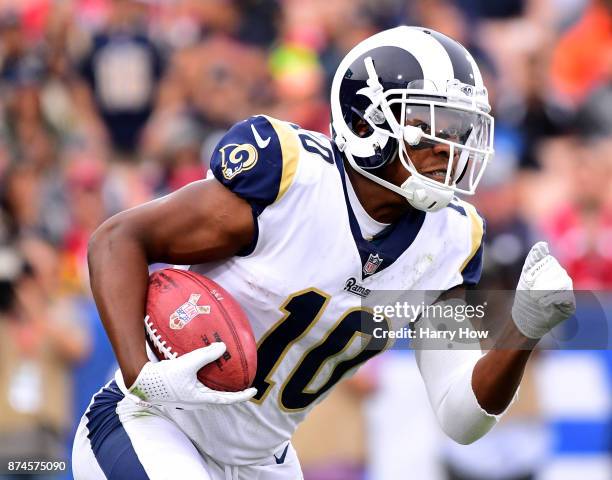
x=186 y=311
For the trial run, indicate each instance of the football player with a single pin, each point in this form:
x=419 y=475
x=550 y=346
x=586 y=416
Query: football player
x=299 y=228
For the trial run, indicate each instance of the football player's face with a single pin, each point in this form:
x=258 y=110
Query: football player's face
x=432 y=158
x=432 y=161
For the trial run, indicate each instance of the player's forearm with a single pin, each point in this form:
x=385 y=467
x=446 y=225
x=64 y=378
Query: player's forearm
x=497 y=375
x=118 y=271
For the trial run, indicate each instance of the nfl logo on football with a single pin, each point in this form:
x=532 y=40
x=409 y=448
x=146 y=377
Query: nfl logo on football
x=372 y=264
x=187 y=312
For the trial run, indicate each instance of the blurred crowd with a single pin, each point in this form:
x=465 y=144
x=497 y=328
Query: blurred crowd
x=105 y=104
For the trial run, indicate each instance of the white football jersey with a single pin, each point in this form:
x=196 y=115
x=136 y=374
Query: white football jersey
x=302 y=280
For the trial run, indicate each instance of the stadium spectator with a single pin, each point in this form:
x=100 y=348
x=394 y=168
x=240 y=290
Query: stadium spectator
x=42 y=339
x=582 y=58
x=580 y=229
x=122 y=70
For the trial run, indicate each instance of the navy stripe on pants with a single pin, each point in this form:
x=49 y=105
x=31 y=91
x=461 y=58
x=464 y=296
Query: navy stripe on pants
x=109 y=440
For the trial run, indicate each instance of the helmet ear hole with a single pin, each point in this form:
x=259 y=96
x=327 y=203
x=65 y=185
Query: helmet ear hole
x=357 y=121
x=362 y=128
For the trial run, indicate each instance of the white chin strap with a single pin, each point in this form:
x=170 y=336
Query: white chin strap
x=424 y=196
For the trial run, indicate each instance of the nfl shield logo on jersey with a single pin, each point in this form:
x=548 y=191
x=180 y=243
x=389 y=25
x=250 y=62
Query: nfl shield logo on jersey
x=372 y=264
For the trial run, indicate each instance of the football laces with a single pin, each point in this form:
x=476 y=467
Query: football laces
x=160 y=344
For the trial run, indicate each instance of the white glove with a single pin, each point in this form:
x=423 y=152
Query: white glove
x=175 y=383
x=544 y=296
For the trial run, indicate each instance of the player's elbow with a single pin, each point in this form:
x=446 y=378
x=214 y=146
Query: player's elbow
x=99 y=238
x=107 y=235
x=465 y=436
x=461 y=417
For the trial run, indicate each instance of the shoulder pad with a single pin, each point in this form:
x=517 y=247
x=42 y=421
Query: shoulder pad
x=257 y=160
x=471 y=270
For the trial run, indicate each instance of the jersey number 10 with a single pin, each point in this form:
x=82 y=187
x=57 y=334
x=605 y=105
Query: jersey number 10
x=302 y=310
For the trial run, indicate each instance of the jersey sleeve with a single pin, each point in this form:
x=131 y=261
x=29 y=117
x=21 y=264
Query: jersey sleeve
x=257 y=160
x=471 y=270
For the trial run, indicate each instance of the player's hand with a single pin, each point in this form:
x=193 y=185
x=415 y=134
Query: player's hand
x=175 y=383
x=544 y=296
